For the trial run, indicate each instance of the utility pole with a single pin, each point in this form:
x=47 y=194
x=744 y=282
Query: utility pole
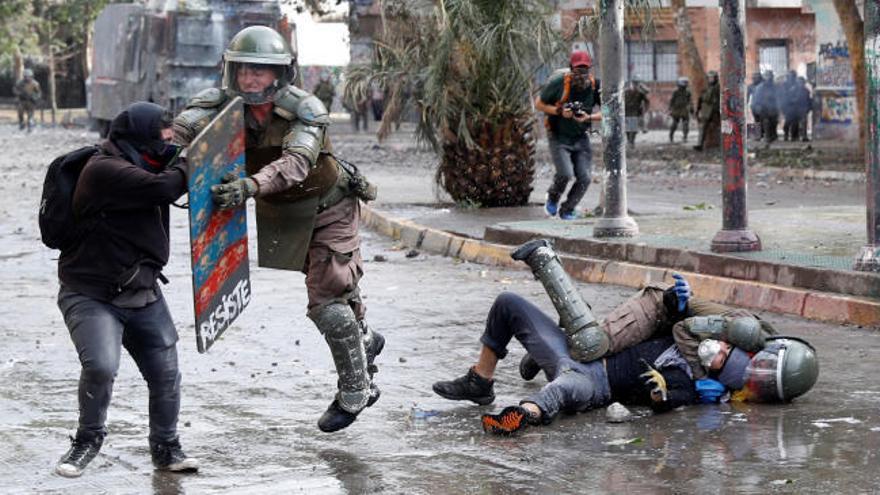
x=735 y=235
x=615 y=221
x=868 y=259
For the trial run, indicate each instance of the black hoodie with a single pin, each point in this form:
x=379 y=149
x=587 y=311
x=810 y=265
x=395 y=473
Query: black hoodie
x=128 y=247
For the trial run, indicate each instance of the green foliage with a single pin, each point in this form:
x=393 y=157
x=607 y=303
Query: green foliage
x=460 y=62
x=33 y=25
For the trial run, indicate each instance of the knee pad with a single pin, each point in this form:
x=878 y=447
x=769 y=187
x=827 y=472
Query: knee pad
x=589 y=344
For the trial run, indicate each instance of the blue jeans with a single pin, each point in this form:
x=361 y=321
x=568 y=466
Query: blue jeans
x=571 y=160
x=99 y=330
x=574 y=386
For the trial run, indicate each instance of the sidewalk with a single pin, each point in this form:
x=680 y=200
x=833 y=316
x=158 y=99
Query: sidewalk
x=806 y=277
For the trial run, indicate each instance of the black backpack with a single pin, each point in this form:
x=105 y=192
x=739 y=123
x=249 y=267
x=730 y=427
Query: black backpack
x=59 y=228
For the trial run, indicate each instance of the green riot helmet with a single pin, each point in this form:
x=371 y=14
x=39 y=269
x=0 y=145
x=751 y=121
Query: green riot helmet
x=258 y=48
x=713 y=76
x=786 y=368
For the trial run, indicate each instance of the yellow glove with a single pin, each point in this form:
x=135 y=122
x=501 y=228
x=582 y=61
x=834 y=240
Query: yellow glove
x=655 y=380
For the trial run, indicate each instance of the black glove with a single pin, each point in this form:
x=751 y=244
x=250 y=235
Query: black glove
x=233 y=191
x=655 y=381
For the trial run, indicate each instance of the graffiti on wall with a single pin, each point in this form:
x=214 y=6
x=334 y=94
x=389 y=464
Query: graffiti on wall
x=838 y=107
x=833 y=66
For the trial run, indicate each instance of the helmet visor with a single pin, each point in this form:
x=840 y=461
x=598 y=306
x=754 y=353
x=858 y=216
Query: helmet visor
x=256 y=83
x=763 y=376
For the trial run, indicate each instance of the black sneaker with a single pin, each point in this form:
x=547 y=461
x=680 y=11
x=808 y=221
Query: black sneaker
x=528 y=367
x=169 y=456
x=81 y=453
x=471 y=386
x=510 y=420
x=336 y=418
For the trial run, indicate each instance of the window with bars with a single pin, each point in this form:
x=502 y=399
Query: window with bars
x=652 y=60
x=773 y=55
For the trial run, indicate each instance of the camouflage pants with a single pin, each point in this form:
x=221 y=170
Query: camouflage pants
x=25 y=114
x=643 y=316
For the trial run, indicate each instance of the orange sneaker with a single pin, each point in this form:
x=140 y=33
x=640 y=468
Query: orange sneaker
x=510 y=420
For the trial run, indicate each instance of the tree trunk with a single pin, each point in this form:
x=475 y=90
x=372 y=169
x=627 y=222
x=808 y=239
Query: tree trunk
x=691 y=63
x=50 y=61
x=86 y=43
x=854 y=28
x=17 y=64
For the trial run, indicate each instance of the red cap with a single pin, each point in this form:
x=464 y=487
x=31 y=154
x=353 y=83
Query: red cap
x=580 y=59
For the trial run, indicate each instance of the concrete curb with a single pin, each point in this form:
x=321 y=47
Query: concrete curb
x=814 y=305
x=827 y=280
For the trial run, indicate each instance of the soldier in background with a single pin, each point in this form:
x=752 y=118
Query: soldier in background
x=636 y=103
x=766 y=101
x=28 y=93
x=325 y=91
x=680 y=109
x=709 y=109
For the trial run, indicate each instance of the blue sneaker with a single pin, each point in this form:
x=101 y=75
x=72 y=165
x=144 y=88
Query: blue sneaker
x=569 y=215
x=551 y=208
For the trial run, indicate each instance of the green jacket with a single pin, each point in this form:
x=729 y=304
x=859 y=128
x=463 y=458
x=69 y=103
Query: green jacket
x=568 y=131
x=635 y=102
x=681 y=105
x=709 y=107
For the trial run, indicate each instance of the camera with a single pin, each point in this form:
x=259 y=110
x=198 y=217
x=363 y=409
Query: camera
x=577 y=108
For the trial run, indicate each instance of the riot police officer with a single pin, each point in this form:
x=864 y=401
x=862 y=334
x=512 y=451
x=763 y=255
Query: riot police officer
x=680 y=109
x=27 y=91
x=307 y=202
x=709 y=109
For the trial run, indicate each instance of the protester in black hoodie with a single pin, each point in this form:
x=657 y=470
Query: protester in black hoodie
x=109 y=293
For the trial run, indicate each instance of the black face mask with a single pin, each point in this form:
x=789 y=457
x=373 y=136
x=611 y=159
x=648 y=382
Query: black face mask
x=138 y=130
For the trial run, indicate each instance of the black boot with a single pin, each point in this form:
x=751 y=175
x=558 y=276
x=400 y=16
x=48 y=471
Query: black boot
x=336 y=418
x=376 y=344
x=81 y=453
x=169 y=456
x=471 y=386
x=528 y=368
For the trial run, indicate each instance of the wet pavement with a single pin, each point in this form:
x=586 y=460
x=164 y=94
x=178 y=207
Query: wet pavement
x=250 y=404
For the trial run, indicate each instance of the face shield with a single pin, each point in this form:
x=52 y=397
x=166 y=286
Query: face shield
x=255 y=83
x=786 y=368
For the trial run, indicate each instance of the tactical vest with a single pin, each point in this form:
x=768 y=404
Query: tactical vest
x=285 y=220
x=321 y=178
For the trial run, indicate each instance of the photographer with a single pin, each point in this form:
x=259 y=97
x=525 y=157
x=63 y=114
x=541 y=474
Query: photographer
x=568 y=100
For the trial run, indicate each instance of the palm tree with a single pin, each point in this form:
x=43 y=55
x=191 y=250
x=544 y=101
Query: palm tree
x=467 y=66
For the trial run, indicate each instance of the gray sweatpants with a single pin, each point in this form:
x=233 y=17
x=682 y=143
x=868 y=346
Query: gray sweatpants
x=573 y=386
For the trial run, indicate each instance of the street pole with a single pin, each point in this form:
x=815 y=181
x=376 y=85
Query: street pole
x=615 y=221
x=734 y=235
x=868 y=259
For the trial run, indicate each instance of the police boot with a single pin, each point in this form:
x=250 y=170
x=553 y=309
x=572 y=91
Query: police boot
x=345 y=339
x=374 y=342
x=471 y=386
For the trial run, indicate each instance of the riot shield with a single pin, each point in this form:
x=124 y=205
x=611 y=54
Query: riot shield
x=218 y=238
